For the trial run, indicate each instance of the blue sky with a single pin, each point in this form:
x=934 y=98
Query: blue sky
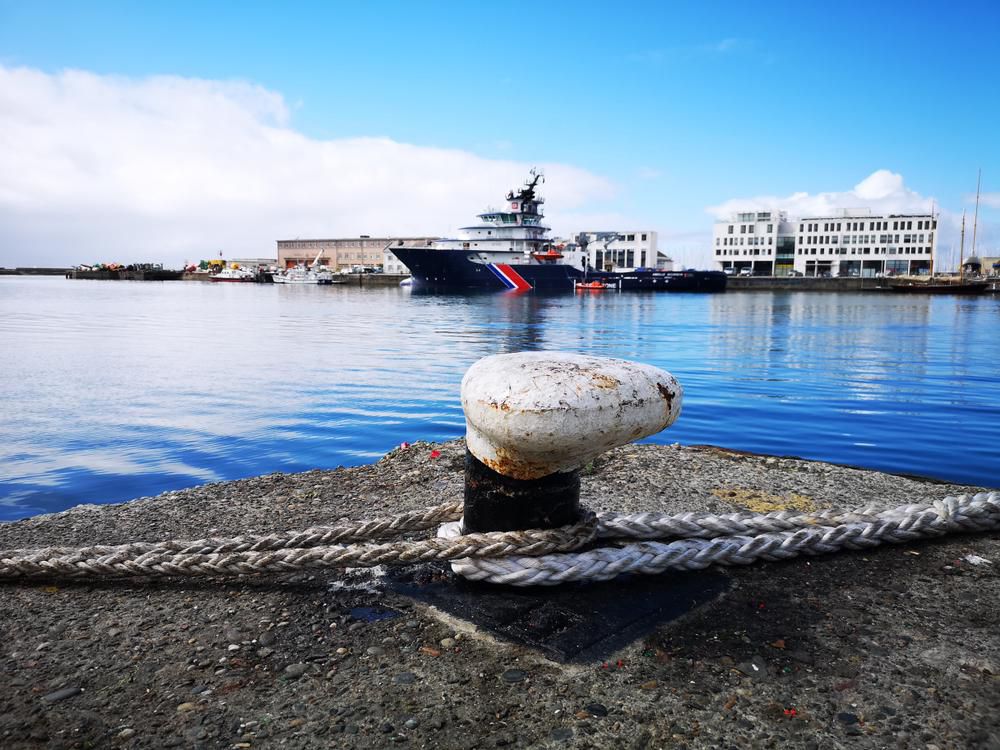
x=675 y=109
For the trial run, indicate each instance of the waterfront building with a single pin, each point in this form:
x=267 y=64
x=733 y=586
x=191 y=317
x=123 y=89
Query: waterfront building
x=761 y=241
x=854 y=242
x=341 y=253
x=623 y=250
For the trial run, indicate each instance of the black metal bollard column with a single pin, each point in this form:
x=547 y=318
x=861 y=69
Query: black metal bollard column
x=533 y=419
x=494 y=502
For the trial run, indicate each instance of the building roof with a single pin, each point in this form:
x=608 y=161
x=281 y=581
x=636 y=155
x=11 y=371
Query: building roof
x=355 y=239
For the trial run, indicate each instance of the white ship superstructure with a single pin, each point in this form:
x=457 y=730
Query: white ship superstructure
x=513 y=234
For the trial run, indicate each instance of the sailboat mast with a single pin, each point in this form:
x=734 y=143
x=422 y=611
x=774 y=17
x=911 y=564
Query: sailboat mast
x=975 y=221
x=961 y=250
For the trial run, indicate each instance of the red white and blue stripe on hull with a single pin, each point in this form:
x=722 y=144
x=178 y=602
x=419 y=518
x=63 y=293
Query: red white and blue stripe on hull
x=509 y=277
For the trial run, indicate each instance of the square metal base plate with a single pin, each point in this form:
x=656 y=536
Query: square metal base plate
x=578 y=622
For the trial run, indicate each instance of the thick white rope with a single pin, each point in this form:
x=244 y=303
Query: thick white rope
x=799 y=534
x=523 y=558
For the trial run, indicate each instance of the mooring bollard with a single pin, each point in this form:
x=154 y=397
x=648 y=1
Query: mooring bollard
x=533 y=419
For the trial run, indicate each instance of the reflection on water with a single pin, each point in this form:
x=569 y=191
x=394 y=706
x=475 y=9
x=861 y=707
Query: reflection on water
x=116 y=390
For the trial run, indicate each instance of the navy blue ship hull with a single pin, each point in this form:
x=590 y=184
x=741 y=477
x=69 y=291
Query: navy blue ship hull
x=455 y=269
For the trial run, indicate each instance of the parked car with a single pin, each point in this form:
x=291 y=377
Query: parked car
x=746 y=272
x=729 y=271
x=795 y=273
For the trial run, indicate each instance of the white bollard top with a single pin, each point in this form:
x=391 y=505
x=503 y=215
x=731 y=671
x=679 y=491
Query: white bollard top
x=536 y=413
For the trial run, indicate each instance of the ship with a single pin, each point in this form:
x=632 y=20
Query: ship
x=509 y=248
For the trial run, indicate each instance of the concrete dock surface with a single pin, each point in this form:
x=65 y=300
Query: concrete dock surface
x=895 y=647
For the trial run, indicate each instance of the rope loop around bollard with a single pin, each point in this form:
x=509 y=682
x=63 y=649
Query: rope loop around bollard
x=523 y=558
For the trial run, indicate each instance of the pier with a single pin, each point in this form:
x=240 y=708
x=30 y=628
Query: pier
x=892 y=646
x=804 y=284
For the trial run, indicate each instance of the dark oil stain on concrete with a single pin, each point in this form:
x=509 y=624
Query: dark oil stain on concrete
x=571 y=623
x=373 y=614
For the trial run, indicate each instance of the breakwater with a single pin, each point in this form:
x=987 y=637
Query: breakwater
x=126 y=274
x=32 y=271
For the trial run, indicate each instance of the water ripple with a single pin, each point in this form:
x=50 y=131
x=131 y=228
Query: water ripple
x=117 y=390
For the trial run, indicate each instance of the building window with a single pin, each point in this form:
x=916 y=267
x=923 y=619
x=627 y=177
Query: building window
x=730 y=229
x=770 y=228
x=743 y=228
x=643 y=238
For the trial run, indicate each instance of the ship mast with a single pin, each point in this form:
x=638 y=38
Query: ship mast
x=961 y=250
x=975 y=221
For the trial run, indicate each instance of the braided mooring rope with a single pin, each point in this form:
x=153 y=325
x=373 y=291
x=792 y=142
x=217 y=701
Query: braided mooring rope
x=522 y=558
x=780 y=536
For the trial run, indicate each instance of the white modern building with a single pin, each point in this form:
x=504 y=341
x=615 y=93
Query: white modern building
x=623 y=251
x=852 y=243
x=855 y=243
x=757 y=242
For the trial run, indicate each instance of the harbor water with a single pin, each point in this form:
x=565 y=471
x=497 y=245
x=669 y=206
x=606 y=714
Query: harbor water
x=116 y=390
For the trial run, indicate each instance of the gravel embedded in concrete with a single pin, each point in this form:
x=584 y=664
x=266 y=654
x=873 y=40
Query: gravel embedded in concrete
x=892 y=647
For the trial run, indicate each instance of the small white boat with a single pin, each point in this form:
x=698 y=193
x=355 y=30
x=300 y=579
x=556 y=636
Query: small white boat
x=234 y=273
x=303 y=274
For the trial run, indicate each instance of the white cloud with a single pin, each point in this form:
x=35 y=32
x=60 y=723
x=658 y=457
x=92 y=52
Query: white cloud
x=988 y=199
x=882 y=191
x=105 y=168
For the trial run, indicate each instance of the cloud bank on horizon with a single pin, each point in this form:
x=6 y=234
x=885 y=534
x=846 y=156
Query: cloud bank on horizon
x=107 y=168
